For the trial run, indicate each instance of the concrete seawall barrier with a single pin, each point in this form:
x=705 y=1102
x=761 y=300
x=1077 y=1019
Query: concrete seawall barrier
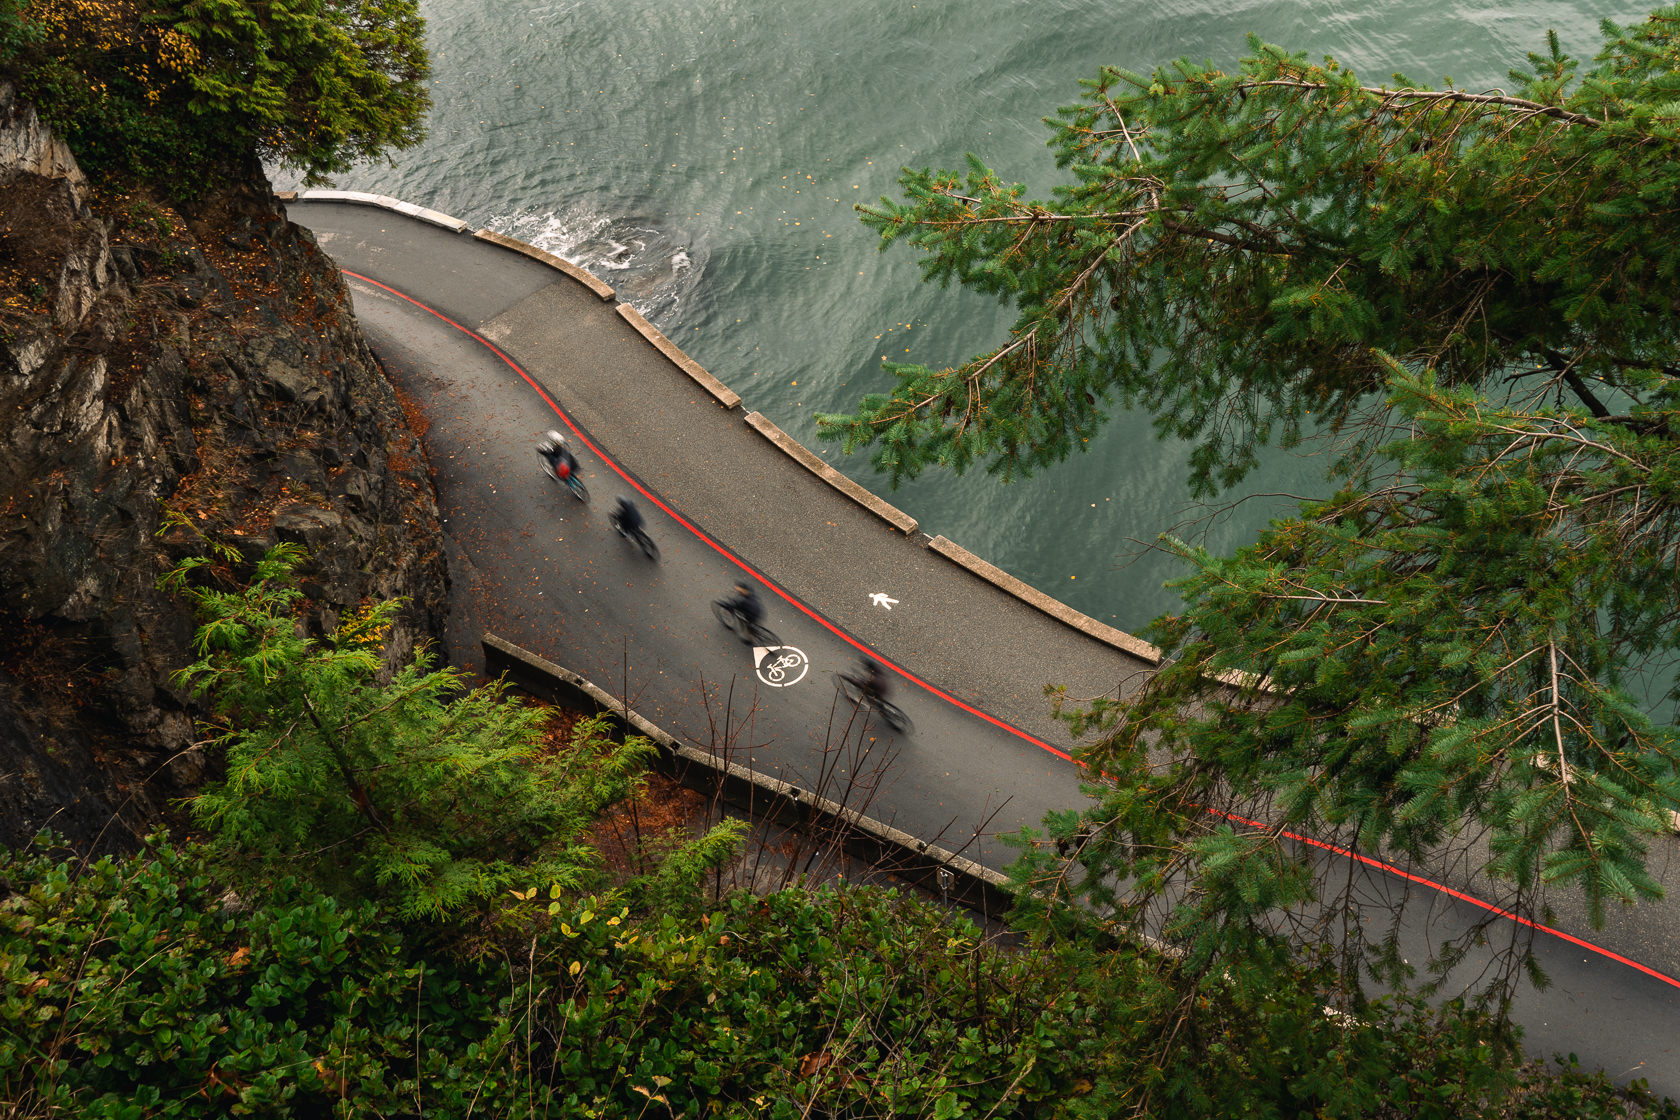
x=581 y=275
x=383 y=201
x=724 y=395
x=1055 y=608
x=803 y=455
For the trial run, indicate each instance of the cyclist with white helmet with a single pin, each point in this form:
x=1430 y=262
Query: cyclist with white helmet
x=559 y=457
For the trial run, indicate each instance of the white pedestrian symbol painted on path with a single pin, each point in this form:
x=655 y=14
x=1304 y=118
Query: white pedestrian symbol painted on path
x=881 y=600
x=780 y=666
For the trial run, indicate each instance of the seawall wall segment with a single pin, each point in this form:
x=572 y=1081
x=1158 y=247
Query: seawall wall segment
x=803 y=455
x=384 y=201
x=581 y=275
x=1055 y=608
x=724 y=395
x=760 y=795
x=730 y=399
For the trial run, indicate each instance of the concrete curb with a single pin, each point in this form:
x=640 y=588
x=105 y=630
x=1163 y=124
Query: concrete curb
x=803 y=455
x=759 y=795
x=1055 y=608
x=384 y=201
x=581 y=275
x=725 y=396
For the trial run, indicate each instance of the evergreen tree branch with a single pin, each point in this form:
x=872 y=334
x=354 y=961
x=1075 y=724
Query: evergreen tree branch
x=1432 y=99
x=358 y=792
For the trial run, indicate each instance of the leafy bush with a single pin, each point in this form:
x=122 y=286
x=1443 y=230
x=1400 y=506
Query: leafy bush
x=174 y=91
x=851 y=1002
x=143 y=988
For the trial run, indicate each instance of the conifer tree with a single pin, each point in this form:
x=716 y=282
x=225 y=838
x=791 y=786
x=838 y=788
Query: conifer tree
x=401 y=787
x=1473 y=293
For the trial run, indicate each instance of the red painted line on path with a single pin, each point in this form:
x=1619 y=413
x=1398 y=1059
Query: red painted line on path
x=692 y=528
x=1347 y=853
x=1498 y=911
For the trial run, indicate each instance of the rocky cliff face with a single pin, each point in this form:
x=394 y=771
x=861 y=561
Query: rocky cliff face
x=196 y=370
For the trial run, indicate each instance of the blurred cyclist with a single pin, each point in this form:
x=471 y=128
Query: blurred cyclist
x=873 y=679
x=556 y=454
x=746 y=603
x=627 y=518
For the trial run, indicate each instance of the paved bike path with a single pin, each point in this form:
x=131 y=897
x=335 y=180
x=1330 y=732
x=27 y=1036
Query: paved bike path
x=982 y=647
x=462 y=323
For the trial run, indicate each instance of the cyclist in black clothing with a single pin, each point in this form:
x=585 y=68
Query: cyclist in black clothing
x=627 y=517
x=746 y=604
x=873 y=679
x=867 y=686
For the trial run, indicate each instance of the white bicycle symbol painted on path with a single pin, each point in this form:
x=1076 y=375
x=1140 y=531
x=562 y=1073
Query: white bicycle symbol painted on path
x=781 y=666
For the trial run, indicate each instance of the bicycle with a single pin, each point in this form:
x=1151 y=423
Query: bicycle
x=858 y=691
x=752 y=633
x=570 y=479
x=637 y=536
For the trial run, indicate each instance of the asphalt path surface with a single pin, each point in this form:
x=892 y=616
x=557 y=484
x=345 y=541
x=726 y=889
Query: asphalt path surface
x=496 y=349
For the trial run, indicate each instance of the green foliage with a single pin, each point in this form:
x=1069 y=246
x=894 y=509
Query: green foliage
x=1469 y=296
x=1231 y=249
x=402 y=788
x=145 y=987
x=173 y=91
x=1404 y=668
x=852 y=1003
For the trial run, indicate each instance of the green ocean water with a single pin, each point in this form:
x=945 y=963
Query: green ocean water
x=704 y=156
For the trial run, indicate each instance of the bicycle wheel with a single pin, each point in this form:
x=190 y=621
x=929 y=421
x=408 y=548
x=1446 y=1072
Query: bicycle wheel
x=891 y=714
x=894 y=716
x=849 y=687
x=576 y=486
x=726 y=614
x=649 y=549
x=760 y=635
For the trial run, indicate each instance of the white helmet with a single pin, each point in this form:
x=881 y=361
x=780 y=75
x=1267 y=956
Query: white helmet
x=555 y=438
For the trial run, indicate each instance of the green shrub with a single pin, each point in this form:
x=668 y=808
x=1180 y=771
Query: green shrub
x=850 y=1001
x=142 y=987
x=175 y=92
x=402 y=786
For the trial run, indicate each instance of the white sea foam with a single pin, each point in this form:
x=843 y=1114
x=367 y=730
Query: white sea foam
x=651 y=266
